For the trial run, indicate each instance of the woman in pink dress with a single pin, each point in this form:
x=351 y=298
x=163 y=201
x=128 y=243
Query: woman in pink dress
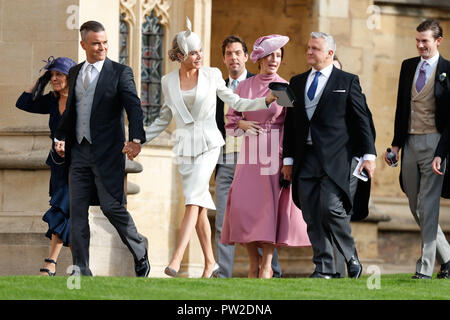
x=260 y=213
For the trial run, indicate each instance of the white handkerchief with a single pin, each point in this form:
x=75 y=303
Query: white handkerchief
x=340 y=90
x=356 y=172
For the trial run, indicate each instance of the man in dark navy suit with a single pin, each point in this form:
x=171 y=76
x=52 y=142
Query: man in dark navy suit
x=319 y=142
x=91 y=136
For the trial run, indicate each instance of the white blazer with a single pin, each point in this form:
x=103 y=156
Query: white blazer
x=196 y=129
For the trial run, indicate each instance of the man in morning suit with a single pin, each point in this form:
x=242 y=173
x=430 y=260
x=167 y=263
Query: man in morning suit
x=235 y=55
x=91 y=137
x=318 y=149
x=421 y=118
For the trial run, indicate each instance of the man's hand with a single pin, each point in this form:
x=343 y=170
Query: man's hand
x=436 y=166
x=286 y=171
x=250 y=127
x=60 y=147
x=370 y=166
x=394 y=149
x=132 y=149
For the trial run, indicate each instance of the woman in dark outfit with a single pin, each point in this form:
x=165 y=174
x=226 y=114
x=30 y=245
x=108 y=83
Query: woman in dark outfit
x=54 y=104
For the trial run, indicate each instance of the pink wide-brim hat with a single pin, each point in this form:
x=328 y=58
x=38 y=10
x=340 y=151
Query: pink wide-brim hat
x=265 y=45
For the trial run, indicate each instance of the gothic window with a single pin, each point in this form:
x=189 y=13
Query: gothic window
x=123 y=41
x=151 y=68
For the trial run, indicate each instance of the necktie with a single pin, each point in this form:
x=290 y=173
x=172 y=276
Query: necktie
x=234 y=85
x=420 y=83
x=87 y=77
x=313 y=87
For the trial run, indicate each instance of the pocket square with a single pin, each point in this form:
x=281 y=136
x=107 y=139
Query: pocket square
x=339 y=90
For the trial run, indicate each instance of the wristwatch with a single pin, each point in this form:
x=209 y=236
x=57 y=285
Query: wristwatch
x=137 y=141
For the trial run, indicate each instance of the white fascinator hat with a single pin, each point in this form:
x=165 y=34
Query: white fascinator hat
x=187 y=40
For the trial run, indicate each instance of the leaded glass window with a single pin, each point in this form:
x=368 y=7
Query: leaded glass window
x=123 y=41
x=151 y=69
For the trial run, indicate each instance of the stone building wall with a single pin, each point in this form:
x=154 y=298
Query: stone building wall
x=252 y=19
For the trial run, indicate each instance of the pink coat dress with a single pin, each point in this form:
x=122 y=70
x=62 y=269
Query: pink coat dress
x=258 y=209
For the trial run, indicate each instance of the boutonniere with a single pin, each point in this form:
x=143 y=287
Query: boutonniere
x=442 y=77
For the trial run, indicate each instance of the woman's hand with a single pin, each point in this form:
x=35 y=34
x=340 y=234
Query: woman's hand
x=250 y=127
x=270 y=98
x=30 y=89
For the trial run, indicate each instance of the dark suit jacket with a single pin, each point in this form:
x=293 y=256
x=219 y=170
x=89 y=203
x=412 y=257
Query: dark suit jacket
x=115 y=92
x=220 y=115
x=337 y=115
x=362 y=194
x=442 y=115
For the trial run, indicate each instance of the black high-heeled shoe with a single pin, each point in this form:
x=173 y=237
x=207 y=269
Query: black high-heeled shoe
x=51 y=274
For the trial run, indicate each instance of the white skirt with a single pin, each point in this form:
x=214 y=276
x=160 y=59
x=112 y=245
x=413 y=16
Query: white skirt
x=195 y=175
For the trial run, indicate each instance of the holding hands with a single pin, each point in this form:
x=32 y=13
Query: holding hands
x=60 y=148
x=131 y=149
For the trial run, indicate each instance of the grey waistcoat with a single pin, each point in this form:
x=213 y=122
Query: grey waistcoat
x=84 y=99
x=310 y=107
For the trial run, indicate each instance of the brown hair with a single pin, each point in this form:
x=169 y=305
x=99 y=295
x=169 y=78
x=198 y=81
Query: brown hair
x=173 y=53
x=233 y=39
x=90 y=26
x=335 y=58
x=433 y=25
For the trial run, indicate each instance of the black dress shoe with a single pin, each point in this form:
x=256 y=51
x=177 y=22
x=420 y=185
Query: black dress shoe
x=142 y=267
x=420 y=276
x=320 y=275
x=354 y=267
x=445 y=271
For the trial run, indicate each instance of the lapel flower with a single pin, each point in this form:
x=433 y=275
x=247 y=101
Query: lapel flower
x=442 y=77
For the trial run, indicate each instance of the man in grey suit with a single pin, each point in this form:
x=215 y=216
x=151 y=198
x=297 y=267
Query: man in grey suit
x=421 y=118
x=235 y=55
x=91 y=137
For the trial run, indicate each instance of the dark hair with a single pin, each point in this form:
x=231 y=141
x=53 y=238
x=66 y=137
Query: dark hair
x=90 y=26
x=335 y=58
x=233 y=39
x=433 y=25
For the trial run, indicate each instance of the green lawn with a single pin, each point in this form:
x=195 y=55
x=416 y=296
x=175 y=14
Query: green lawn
x=104 y=288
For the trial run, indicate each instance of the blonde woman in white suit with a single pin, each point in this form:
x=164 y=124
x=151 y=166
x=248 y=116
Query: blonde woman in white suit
x=190 y=99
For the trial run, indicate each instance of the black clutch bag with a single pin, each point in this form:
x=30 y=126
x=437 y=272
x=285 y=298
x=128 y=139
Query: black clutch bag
x=284 y=183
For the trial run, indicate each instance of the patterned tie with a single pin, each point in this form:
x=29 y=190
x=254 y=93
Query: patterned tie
x=234 y=85
x=420 y=83
x=87 y=77
x=313 y=87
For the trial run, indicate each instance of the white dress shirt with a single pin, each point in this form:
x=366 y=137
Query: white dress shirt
x=323 y=78
x=322 y=81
